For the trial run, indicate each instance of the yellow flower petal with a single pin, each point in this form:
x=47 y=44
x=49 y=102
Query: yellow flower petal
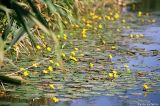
x=45 y=71
x=55 y=99
x=116 y=16
x=110 y=75
x=42 y=36
x=114 y=72
x=76 y=49
x=35 y=65
x=73 y=53
x=38 y=47
x=44 y=46
x=48 y=49
x=131 y=35
x=91 y=65
x=73 y=58
x=57 y=64
x=50 y=68
x=110 y=56
x=113 y=47
x=77 y=26
x=22 y=69
x=145 y=87
x=139 y=13
x=52 y=86
x=115 y=75
x=51 y=61
x=63 y=55
x=83 y=19
x=100 y=26
x=137 y=36
x=123 y=21
x=126 y=66
x=25 y=73
x=66 y=22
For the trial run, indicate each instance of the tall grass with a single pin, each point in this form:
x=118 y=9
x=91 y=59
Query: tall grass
x=22 y=17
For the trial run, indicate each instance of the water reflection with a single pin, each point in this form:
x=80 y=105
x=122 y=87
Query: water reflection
x=146 y=5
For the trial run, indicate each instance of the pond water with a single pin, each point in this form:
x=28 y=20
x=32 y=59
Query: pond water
x=83 y=89
x=151 y=32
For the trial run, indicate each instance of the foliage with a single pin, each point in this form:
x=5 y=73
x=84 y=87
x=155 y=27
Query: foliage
x=20 y=18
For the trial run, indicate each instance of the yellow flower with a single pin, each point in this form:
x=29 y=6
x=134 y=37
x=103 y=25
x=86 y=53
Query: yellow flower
x=110 y=75
x=73 y=53
x=73 y=58
x=100 y=18
x=89 y=25
x=91 y=65
x=131 y=35
x=52 y=86
x=73 y=25
x=84 y=31
x=113 y=47
x=81 y=54
x=95 y=28
x=44 y=46
x=88 y=21
x=65 y=22
x=94 y=17
x=137 y=36
x=126 y=66
x=108 y=17
x=114 y=72
x=63 y=55
x=110 y=56
x=103 y=42
x=84 y=35
x=92 y=13
x=116 y=16
x=139 y=13
x=76 y=49
x=153 y=20
x=38 y=46
x=111 y=13
x=55 y=99
x=22 y=69
x=35 y=65
x=49 y=49
x=50 y=68
x=57 y=64
x=77 y=26
x=141 y=35
x=45 y=71
x=64 y=36
x=118 y=30
x=123 y=21
x=25 y=73
x=115 y=75
x=145 y=87
x=58 y=36
x=51 y=61
x=100 y=26
x=83 y=19
x=42 y=36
